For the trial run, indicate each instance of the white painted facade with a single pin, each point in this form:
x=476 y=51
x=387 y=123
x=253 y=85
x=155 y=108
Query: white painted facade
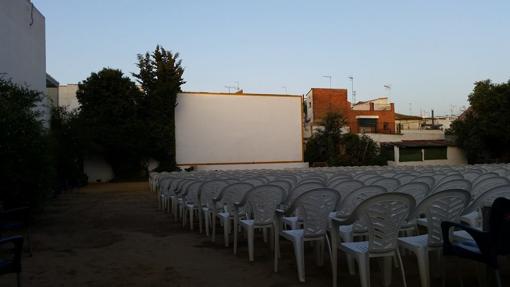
x=23 y=47
x=67 y=96
x=455 y=156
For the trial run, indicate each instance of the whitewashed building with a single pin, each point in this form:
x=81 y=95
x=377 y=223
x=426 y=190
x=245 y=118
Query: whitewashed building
x=23 y=47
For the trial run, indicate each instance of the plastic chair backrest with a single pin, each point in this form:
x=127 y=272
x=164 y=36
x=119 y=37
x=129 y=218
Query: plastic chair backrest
x=429 y=180
x=418 y=190
x=210 y=190
x=383 y=215
x=453 y=184
x=345 y=188
x=315 y=206
x=353 y=199
x=487 y=184
x=370 y=180
x=389 y=183
x=484 y=176
x=405 y=178
x=234 y=193
x=449 y=178
x=487 y=198
x=300 y=189
x=446 y=205
x=262 y=202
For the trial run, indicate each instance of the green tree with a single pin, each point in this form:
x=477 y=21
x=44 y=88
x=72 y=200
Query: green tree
x=483 y=131
x=360 y=150
x=26 y=167
x=68 y=146
x=160 y=76
x=336 y=149
x=109 y=106
x=324 y=145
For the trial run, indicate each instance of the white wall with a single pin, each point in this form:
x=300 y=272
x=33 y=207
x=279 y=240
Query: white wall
x=97 y=169
x=67 y=96
x=252 y=166
x=227 y=128
x=455 y=156
x=23 y=47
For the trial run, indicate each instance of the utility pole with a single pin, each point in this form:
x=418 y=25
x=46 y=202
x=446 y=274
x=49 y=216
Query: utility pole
x=329 y=77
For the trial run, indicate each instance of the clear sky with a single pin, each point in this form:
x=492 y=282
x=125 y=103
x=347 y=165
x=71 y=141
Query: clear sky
x=430 y=52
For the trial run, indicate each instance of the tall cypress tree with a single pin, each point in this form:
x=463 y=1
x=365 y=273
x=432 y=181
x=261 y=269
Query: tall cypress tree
x=160 y=76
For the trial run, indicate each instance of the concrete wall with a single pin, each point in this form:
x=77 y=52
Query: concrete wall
x=23 y=47
x=97 y=169
x=67 y=96
x=229 y=128
x=455 y=156
x=252 y=166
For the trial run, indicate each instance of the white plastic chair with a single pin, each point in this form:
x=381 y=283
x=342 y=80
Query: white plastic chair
x=428 y=180
x=383 y=215
x=347 y=232
x=293 y=222
x=453 y=184
x=316 y=206
x=260 y=205
x=228 y=196
x=208 y=191
x=389 y=183
x=442 y=206
x=418 y=190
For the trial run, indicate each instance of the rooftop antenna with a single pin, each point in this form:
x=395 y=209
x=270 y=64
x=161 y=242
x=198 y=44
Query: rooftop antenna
x=329 y=77
x=353 y=92
x=230 y=88
x=388 y=89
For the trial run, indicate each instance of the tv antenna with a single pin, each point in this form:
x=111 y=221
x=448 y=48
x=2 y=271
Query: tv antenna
x=230 y=88
x=353 y=92
x=329 y=77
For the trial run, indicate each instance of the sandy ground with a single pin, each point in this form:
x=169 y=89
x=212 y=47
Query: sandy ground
x=114 y=235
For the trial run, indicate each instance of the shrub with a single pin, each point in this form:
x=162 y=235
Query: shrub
x=26 y=170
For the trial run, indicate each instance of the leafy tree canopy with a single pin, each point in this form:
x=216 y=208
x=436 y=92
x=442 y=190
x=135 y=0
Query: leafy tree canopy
x=109 y=118
x=26 y=170
x=483 y=130
x=331 y=146
x=160 y=76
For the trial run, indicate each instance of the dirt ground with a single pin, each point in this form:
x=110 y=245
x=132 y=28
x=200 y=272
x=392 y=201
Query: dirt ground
x=114 y=235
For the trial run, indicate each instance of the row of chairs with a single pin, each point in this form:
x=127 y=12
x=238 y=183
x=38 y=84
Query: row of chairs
x=329 y=205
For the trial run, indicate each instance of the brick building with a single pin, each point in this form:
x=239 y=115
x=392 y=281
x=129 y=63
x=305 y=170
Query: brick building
x=373 y=116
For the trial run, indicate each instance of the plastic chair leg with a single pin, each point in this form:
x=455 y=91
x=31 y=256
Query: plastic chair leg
x=251 y=238
x=226 y=231
x=423 y=266
x=387 y=264
x=213 y=219
x=364 y=270
x=401 y=268
x=300 y=259
x=191 y=211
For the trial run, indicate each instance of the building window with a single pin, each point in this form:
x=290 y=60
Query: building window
x=388 y=152
x=432 y=153
x=410 y=154
x=367 y=125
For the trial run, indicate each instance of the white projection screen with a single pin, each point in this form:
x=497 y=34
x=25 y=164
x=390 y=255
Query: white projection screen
x=238 y=129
